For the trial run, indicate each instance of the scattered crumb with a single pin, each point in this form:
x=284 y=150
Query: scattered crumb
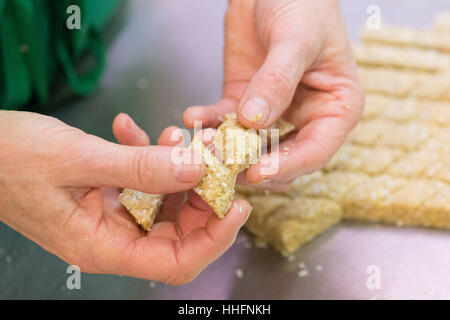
x=257 y=118
x=9 y=259
x=239 y=273
x=319 y=267
x=290 y=258
x=247 y=245
x=303 y=273
x=302 y=265
x=152 y=284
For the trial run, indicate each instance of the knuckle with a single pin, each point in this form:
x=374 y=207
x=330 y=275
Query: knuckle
x=141 y=167
x=279 y=80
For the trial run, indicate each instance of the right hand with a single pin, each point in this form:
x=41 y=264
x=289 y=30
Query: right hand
x=59 y=187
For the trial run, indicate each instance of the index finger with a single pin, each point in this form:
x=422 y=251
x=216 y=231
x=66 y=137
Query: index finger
x=324 y=122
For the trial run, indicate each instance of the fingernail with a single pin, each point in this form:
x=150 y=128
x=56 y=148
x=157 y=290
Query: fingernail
x=129 y=122
x=247 y=212
x=256 y=110
x=187 y=173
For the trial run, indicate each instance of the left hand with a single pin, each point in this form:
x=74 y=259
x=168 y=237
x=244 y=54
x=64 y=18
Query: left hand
x=187 y=235
x=288 y=59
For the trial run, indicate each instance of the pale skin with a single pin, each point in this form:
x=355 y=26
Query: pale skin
x=59 y=185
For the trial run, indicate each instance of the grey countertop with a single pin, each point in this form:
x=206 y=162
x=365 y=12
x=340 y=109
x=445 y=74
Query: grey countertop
x=167 y=56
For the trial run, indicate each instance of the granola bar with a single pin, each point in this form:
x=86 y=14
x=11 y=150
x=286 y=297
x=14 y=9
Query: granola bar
x=142 y=206
x=408 y=37
x=406 y=58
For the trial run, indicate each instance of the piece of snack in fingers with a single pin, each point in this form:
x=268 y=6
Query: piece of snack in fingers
x=143 y=207
x=217 y=186
x=238 y=146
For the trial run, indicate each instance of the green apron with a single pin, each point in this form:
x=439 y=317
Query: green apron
x=35 y=44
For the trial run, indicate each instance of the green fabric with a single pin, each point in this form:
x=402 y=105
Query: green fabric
x=35 y=43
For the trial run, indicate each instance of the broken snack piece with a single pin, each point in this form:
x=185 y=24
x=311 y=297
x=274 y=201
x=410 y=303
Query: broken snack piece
x=217 y=186
x=142 y=206
x=237 y=148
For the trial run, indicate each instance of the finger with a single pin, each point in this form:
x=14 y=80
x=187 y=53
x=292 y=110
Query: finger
x=269 y=185
x=209 y=116
x=171 y=207
x=178 y=262
x=194 y=215
x=271 y=90
x=154 y=169
x=172 y=136
x=325 y=122
x=128 y=133
x=243 y=56
x=204 y=245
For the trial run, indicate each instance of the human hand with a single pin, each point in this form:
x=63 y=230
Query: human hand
x=58 y=187
x=290 y=59
x=184 y=214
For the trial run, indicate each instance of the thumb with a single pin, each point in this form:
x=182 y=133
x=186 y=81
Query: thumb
x=272 y=89
x=154 y=169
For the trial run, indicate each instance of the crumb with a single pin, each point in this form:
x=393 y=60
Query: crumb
x=239 y=273
x=257 y=118
x=247 y=245
x=303 y=273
